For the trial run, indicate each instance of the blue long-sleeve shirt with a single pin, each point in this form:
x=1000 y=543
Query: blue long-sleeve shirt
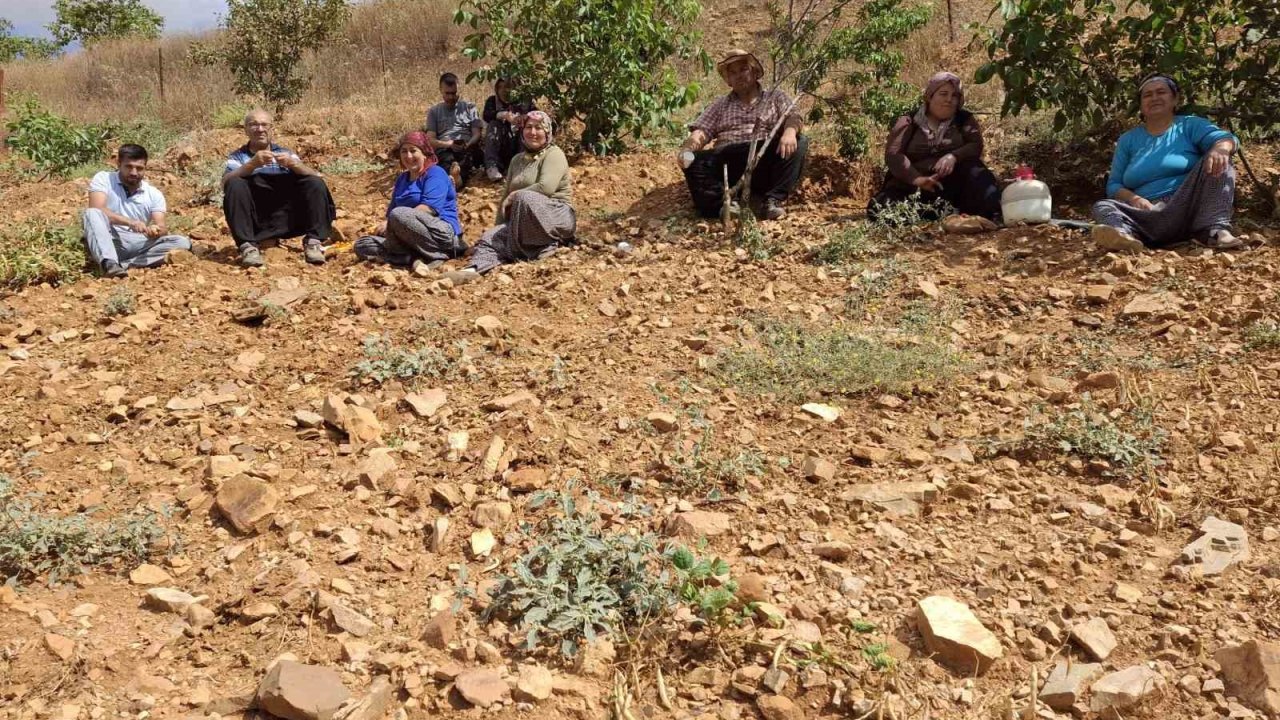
x=434 y=189
x=1153 y=166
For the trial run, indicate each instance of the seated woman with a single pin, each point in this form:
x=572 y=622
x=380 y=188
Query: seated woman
x=422 y=228
x=937 y=152
x=1171 y=179
x=536 y=214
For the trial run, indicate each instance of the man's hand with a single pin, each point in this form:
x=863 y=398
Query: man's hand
x=154 y=231
x=138 y=226
x=787 y=143
x=1141 y=203
x=928 y=183
x=262 y=158
x=381 y=230
x=1216 y=161
x=944 y=166
x=286 y=160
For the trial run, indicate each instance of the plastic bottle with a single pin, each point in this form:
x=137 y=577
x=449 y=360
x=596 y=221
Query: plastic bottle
x=1026 y=200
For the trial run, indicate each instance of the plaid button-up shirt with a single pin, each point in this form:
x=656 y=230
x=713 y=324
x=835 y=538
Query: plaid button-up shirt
x=729 y=120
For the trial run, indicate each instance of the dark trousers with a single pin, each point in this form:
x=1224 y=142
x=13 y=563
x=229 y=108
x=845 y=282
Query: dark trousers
x=774 y=177
x=262 y=207
x=970 y=188
x=467 y=160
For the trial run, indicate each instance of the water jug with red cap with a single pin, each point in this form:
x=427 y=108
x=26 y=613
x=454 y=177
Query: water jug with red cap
x=1026 y=200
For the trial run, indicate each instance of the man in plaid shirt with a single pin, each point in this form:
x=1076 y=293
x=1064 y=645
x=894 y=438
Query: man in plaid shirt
x=731 y=123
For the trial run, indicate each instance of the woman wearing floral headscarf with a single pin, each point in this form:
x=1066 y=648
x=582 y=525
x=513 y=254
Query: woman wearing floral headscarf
x=422 y=227
x=1171 y=179
x=937 y=152
x=536 y=214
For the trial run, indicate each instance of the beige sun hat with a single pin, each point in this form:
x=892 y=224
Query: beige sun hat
x=734 y=56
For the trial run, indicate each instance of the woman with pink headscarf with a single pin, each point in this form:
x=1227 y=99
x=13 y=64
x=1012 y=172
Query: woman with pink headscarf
x=422 y=228
x=937 y=153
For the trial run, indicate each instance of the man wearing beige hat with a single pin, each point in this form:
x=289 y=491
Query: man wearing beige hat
x=729 y=124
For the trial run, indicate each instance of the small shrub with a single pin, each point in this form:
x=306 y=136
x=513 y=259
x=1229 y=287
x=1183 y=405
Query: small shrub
x=579 y=581
x=796 y=362
x=41 y=252
x=35 y=543
x=349 y=166
x=752 y=238
x=230 y=116
x=120 y=303
x=1129 y=442
x=897 y=224
x=706 y=587
x=384 y=361
x=54 y=144
x=1262 y=336
x=91 y=21
x=700 y=471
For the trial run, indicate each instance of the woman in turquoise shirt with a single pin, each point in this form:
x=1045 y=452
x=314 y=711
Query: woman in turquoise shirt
x=1171 y=179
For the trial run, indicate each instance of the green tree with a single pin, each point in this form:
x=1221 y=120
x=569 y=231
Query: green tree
x=607 y=63
x=265 y=41
x=88 y=21
x=16 y=47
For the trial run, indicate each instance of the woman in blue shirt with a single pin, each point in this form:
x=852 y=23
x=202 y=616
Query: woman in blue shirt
x=422 y=228
x=1171 y=179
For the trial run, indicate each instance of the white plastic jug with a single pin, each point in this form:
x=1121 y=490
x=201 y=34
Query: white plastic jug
x=1026 y=200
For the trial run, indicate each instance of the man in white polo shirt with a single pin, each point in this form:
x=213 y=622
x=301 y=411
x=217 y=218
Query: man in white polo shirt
x=124 y=226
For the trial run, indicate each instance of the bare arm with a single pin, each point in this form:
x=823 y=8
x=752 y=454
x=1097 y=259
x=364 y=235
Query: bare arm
x=98 y=201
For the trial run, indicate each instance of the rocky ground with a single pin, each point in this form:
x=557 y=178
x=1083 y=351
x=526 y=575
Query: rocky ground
x=1074 y=515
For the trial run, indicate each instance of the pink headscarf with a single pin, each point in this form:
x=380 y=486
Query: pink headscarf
x=418 y=139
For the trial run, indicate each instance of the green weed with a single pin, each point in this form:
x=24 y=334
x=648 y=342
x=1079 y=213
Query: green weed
x=579 y=581
x=120 y=303
x=699 y=470
x=41 y=252
x=1129 y=441
x=706 y=587
x=1262 y=336
x=36 y=543
x=384 y=361
x=796 y=362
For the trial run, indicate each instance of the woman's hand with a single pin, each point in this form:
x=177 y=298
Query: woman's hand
x=1141 y=203
x=381 y=230
x=928 y=183
x=1216 y=161
x=944 y=166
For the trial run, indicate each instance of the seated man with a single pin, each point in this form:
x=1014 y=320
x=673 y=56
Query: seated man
x=503 y=117
x=268 y=192
x=124 y=225
x=455 y=128
x=731 y=122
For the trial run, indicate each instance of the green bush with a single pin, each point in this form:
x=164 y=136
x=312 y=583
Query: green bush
x=797 y=362
x=706 y=587
x=35 y=543
x=349 y=166
x=120 y=303
x=41 y=252
x=54 y=144
x=611 y=65
x=15 y=47
x=1262 y=336
x=1128 y=442
x=579 y=582
x=384 y=362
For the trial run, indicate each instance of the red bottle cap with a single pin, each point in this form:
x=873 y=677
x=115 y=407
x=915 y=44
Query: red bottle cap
x=1024 y=172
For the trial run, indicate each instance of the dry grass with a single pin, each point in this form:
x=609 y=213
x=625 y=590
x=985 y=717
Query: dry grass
x=380 y=72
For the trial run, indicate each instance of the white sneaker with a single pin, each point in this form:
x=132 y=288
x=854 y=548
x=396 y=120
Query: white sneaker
x=1109 y=238
x=495 y=175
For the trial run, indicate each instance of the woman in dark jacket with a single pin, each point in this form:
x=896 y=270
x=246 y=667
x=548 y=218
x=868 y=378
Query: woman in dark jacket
x=937 y=152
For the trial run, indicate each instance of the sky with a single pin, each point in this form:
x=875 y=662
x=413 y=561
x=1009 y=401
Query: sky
x=29 y=17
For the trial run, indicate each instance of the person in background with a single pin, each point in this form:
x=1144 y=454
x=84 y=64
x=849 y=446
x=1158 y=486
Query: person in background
x=503 y=117
x=937 y=152
x=269 y=193
x=731 y=122
x=455 y=130
x=1171 y=179
x=124 y=224
x=422 y=228
x=536 y=215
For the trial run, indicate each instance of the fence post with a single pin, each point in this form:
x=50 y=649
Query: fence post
x=951 y=25
x=3 y=147
x=160 y=57
x=382 y=62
